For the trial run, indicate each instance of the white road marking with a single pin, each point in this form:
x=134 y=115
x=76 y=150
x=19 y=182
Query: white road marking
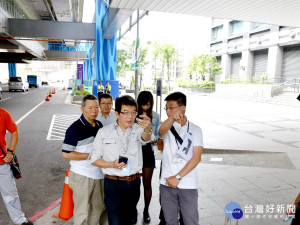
x=59 y=125
x=23 y=117
x=5 y=99
x=216 y=159
x=54 y=128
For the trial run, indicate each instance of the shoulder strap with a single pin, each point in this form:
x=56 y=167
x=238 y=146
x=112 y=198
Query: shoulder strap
x=176 y=135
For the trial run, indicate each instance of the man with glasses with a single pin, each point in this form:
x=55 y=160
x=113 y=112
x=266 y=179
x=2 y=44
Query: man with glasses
x=118 y=151
x=183 y=147
x=85 y=180
x=106 y=116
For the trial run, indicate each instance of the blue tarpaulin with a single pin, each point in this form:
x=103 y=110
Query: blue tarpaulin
x=12 y=69
x=106 y=49
x=88 y=65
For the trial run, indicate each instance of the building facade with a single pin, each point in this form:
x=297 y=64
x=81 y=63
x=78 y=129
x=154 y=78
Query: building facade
x=250 y=51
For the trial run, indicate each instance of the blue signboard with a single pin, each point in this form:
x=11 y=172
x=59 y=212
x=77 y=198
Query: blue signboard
x=114 y=87
x=158 y=87
x=79 y=74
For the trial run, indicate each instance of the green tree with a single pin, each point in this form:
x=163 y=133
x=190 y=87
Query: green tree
x=193 y=67
x=143 y=62
x=123 y=59
x=204 y=64
x=214 y=68
x=168 y=54
x=156 y=53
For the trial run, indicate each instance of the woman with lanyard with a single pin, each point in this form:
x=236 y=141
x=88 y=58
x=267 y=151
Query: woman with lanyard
x=145 y=107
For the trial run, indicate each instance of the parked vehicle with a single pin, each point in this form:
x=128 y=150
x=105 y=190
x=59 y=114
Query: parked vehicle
x=16 y=83
x=45 y=83
x=71 y=83
x=121 y=86
x=0 y=93
x=33 y=80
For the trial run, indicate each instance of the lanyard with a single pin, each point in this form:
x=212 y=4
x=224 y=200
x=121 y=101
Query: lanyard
x=125 y=148
x=178 y=146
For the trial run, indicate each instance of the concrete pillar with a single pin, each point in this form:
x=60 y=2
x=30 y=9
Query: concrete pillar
x=226 y=66
x=246 y=65
x=275 y=56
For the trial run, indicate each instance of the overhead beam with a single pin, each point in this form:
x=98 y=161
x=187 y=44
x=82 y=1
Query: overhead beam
x=51 y=29
x=113 y=21
x=7 y=45
x=10 y=57
x=131 y=25
x=65 y=55
x=35 y=48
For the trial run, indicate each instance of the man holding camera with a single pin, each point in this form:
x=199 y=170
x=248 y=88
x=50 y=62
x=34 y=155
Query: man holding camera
x=118 y=151
x=8 y=188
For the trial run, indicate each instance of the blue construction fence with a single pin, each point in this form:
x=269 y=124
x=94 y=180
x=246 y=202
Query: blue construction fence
x=114 y=87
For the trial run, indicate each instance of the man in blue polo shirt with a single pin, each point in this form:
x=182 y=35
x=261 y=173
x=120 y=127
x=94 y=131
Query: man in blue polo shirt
x=85 y=180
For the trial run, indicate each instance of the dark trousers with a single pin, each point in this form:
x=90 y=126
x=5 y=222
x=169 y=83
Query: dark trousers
x=99 y=93
x=121 y=198
x=296 y=220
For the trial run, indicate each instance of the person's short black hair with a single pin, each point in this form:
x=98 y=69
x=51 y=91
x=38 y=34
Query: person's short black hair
x=179 y=97
x=104 y=95
x=87 y=97
x=124 y=100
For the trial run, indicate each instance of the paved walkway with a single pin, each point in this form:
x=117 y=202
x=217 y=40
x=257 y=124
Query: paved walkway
x=251 y=157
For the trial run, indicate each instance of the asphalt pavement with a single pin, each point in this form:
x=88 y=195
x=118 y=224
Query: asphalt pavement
x=251 y=157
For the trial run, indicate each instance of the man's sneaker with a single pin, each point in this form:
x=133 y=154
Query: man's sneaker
x=27 y=223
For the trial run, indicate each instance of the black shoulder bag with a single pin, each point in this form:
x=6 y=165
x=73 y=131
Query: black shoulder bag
x=14 y=165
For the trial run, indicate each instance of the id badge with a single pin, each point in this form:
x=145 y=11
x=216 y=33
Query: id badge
x=126 y=170
x=178 y=160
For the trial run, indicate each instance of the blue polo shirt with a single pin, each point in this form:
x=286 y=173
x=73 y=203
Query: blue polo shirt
x=79 y=138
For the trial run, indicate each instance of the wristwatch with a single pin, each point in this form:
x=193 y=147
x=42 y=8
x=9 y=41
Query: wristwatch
x=148 y=132
x=10 y=150
x=178 y=177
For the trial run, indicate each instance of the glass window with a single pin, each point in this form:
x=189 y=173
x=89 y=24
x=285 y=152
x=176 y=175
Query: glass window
x=217 y=32
x=15 y=79
x=236 y=27
x=258 y=25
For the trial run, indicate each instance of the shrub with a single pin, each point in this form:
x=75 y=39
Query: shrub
x=86 y=92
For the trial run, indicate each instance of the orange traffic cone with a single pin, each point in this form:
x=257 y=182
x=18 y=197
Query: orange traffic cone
x=53 y=92
x=50 y=95
x=47 y=98
x=67 y=204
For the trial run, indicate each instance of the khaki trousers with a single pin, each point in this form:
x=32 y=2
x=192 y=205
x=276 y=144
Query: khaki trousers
x=88 y=197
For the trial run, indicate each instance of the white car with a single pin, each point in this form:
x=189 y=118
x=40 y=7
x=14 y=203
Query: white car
x=0 y=92
x=16 y=83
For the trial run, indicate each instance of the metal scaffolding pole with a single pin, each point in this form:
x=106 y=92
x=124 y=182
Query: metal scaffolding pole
x=136 y=57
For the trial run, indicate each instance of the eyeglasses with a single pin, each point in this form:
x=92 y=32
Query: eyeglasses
x=129 y=114
x=171 y=107
x=106 y=104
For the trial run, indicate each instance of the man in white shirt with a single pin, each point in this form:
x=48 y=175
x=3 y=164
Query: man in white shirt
x=118 y=151
x=106 y=116
x=181 y=155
